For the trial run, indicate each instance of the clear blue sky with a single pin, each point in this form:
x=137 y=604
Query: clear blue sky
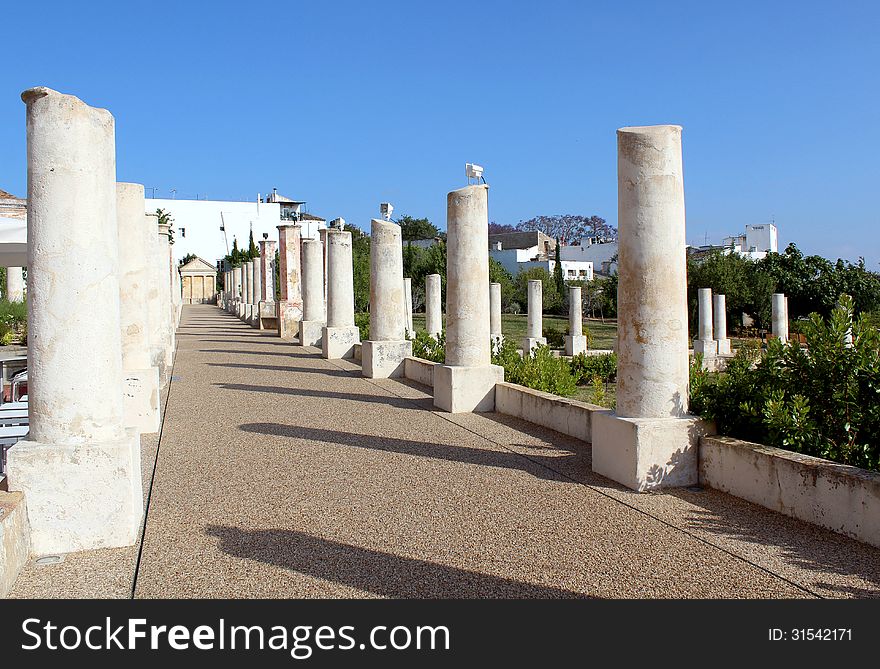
x=346 y=104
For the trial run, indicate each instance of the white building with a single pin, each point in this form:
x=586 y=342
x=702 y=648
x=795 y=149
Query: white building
x=521 y=251
x=756 y=243
x=207 y=228
x=602 y=255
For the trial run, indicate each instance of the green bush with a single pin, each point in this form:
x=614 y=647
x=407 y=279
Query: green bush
x=13 y=320
x=820 y=400
x=541 y=371
x=585 y=367
x=362 y=320
x=555 y=338
x=428 y=348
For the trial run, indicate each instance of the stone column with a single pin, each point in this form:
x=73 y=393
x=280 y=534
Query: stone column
x=14 y=284
x=649 y=442
x=340 y=334
x=534 y=328
x=466 y=382
x=720 y=314
x=237 y=273
x=433 y=305
x=780 y=316
x=705 y=343
x=247 y=276
x=408 y=308
x=155 y=304
x=495 y=334
x=140 y=375
x=288 y=310
x=383 y=354
x=575 y=341
x=312 y=325
x=165 y=289
x=266 y=307
x=177 y=292
x=80 y=468
x=256 y=286
x=322 y=234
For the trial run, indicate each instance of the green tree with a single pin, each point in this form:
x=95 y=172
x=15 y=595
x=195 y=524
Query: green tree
x=253 y=251
x=360 y=257
x=497 y=274
x=412 y=229
x=551 y=298
x=558 y=277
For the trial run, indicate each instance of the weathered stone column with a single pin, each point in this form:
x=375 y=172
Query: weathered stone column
x=534 y=328
x=80 y=468
x=237 y=273
x=383 y=354
x=140 y=375
x=288 y=310
x=720 y=314
x=158 y=333
x=649 y=442
x=467 y=381
x=247 y=277
x=14 y=284
x=322 y=234
x=495 y=334
x=256 y=287
x=340 y=334
x=433 y=305
x=312 y=325
x=408 y=308
x=779 y=316
x=705 y=343
x=266 y=307
x=575 y=341
x=165 y=288
x=176 y=293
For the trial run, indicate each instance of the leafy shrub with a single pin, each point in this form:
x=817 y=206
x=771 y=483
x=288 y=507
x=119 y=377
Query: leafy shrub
x=428 y=348
x=585 y=367
x=555 y=338
x=362 y=320
x=820 y=400
x=541 y=371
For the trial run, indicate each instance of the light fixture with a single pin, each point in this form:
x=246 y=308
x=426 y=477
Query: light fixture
x=475 y=172
x=338 y=223
x=385 y=209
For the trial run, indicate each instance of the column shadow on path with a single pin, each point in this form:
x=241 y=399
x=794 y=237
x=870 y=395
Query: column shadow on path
x=374 y=571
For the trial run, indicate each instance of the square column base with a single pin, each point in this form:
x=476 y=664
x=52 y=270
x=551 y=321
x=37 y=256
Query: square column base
x=708 y=347
x=466 y=389
x=241 y=308
x=384 y=359
x=311 y=333
x=723 y=346
x=648 y=453
x=140 y=399
x=267 y=315
x=80 y=496
x=289 y=315
x=529 y=344
x=338 y=342
x=575 y=344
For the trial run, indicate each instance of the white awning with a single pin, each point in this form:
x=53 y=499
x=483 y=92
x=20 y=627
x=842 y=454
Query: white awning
x=13 y=242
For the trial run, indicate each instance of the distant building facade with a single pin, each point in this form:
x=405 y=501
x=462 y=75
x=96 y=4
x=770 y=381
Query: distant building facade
x=520 y=251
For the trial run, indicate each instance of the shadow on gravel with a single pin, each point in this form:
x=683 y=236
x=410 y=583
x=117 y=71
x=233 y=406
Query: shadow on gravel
x=387 y=400
x=540 y=466
x=374 y=571
x=287 y=368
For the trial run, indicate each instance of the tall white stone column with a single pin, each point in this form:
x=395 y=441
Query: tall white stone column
x=575 y=341
x=779 y=316
x=705 y=343
x=256 y=287
x=166 y=290
x=176 y=293
x=433 y=305
x=155 y=305
x=383 y=354
x=466 y=382
x=266 y=307
x=534 y=326
x=495 y=334
x=289 y=308
x=408 y=308
x=650 y=442
x=140 y=376
x=14 y=284
x=720 y=315
x=80 y=468
x=247 y=278
x=237 y=273
x=312 y=325
x=340 y=334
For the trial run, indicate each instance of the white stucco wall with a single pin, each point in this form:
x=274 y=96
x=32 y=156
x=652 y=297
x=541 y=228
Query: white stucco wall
x=201 y=220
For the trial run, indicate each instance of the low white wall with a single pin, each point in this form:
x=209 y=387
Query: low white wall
x=557 y=413
x=14 y=539
x=841 y=498
x=419 y=370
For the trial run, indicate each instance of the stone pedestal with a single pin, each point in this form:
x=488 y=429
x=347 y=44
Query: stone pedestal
x=529 y=344
x=288 y=315
x=312 y=293
x=80 y=468
x=467 y=381
x=384 y=359
x=575 y=344
x=341 y=334
x=650 y=442
x=311 y=333
x=705 y=342
x=256 y=286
